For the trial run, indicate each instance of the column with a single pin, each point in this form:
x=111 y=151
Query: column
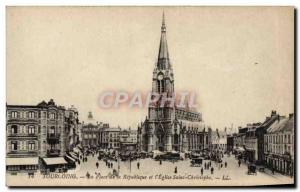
x=168 y=145
x=150 y=143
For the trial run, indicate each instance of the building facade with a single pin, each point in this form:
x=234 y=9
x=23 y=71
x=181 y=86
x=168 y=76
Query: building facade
x=279 y=145
x=219 y=141
x=71 y=128
x=128 y=140
x=168 y=127
x=110 y=138
x=34 y=133
x=90 y=132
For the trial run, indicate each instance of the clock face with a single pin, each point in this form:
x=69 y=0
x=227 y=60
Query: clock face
x=160 y=77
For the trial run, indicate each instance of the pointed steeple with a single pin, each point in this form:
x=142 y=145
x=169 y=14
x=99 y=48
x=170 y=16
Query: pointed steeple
x=163 y=54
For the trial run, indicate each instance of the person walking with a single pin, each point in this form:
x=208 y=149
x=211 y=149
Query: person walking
x=205 y=166
x=97 y=165
x=225 y=164
x=201 y=171
x=160 y=162
x=138 y=165
x=175 y=170
x=212 y=170
x=239 y=162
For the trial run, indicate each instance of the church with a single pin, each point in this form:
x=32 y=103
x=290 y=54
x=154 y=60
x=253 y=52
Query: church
x=167 y=127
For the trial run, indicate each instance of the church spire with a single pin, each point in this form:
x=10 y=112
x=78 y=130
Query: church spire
x=163 y=55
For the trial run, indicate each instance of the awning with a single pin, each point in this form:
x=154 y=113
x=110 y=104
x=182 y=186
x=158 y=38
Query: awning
x=54 y=160
x=70 y=158
x=73 y=155
x=249 y=149
x=76 y=150
x=239 y=149
x=22 y=161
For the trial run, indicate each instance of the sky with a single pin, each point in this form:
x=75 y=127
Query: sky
x=239 y=60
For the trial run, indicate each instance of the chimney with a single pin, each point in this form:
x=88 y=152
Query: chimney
x=291 y=115
x=273 y=113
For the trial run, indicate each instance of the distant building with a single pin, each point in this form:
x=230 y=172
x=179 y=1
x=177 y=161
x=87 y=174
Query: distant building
x=36 y=134
x=90 y=132
x=109 y=138
x=230 y=142
x=251 y=142
x=219 y=141
x=279 y=145
x=128 y=140
x=71 y=128
x=260 y=132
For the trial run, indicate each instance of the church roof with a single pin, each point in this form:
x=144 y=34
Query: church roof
x=163 y=54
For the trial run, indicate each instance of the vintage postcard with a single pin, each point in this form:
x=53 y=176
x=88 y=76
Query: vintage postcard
x=150 y=96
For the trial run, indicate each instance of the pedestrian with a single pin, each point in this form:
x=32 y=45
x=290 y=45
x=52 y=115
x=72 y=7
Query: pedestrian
x=225 y=164
x=201 y=171
x=111 y=165
x=88 y=175
x=108 y=164
x=239 y=162
x=97 y=165
x=221 y=165
x=138 y=165
x=273 y=170
x=205 y=166
x=160 y=162
x=212 y=170
x=175 y=170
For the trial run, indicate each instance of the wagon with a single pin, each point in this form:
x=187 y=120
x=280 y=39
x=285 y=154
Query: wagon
x=252 y=169
x=196 y=162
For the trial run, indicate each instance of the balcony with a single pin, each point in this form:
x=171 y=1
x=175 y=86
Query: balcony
x=53 y=138
x=53 y=152
x=22 y=134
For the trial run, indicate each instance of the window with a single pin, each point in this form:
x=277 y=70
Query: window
x=52 y=130
x=31 y=115
x=52 y=116
x=14 y=145
x=14 y=129
x=31 y=130
x=14 y=114
x=31 y=146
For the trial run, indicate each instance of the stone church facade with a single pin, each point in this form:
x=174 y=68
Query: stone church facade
x=167 y=127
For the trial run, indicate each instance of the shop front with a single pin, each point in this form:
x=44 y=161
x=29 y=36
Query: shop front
x=28 y=165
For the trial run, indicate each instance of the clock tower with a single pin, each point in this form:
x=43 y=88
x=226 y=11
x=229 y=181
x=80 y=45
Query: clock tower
x=160 y=115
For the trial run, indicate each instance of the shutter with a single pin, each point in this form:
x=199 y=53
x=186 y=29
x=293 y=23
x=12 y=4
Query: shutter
x=18 y=145
x=19 y=129
x=9 y=114
x=36 y=145
x=8 y=129
x=25 y=145
x=8 y=145
x=18 y=114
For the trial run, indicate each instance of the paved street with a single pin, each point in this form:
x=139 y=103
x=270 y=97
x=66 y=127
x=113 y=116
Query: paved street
x=233 y=174
x=151 y=167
